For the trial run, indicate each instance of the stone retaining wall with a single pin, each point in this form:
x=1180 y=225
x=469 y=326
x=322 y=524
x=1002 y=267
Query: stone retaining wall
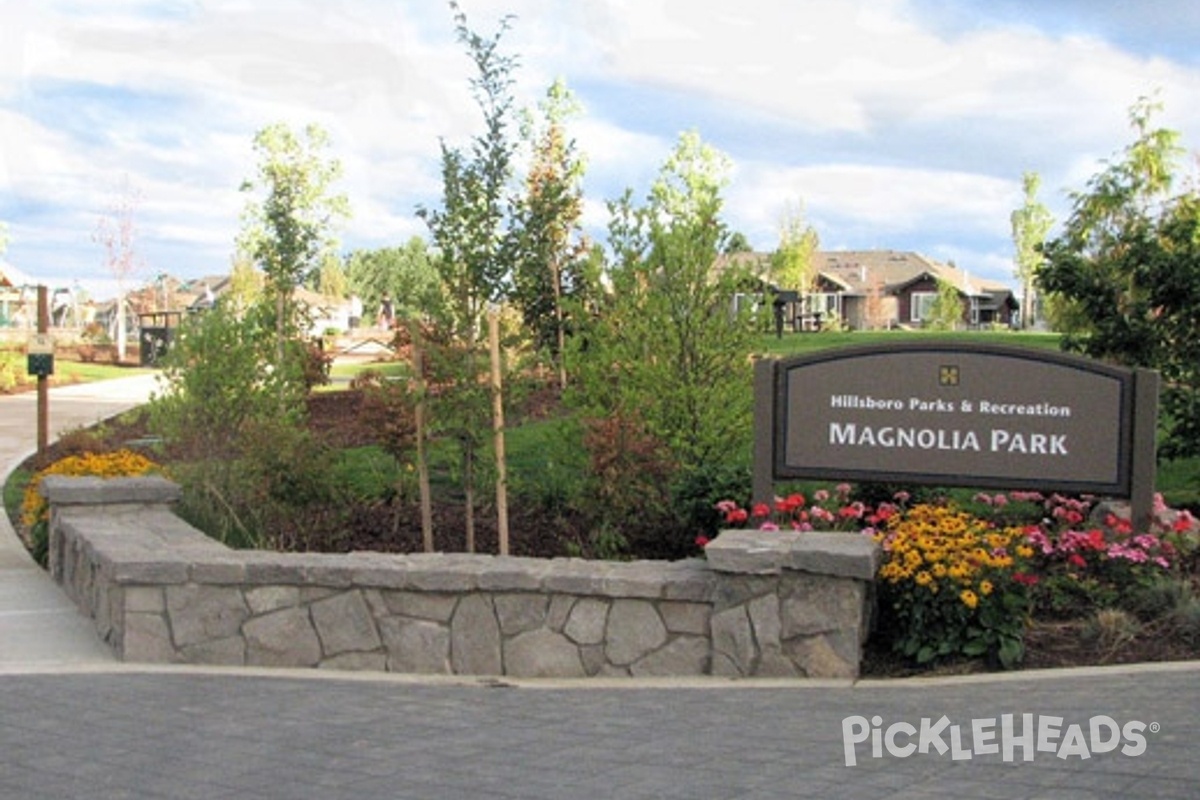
x=763 y=604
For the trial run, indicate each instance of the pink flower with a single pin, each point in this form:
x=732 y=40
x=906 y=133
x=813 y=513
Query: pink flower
x=761 y=510
x=702 y=541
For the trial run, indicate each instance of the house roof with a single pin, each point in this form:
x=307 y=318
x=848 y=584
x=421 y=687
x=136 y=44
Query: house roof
x=12 y=278
x=861 y=270
x=858 y=272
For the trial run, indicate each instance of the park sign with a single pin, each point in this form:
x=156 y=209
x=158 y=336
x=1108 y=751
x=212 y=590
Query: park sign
x=957 y=414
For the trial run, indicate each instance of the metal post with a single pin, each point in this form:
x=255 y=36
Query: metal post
x=763 y=483
x=1143 y=463
x=43 y=383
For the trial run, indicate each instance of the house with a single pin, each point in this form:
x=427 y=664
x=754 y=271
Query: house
x=877 y=289
x=18 y=298
x=324 y=313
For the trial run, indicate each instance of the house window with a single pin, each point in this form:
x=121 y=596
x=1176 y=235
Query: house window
x=920 y=305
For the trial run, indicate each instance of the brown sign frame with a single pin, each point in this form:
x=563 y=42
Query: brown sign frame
x=1124 y=464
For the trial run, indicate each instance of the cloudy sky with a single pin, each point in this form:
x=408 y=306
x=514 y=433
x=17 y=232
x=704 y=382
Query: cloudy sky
x=902 y=124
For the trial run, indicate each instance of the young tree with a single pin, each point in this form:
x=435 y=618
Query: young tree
x=946 y=310
x=668 y=348
x=289 y=224
x=116 y=232
x=245 y=283
x=1030 y=225
x=545 y=238
x=792 y=265
x=1127 y=265
x=468 y=232
x=469 y=228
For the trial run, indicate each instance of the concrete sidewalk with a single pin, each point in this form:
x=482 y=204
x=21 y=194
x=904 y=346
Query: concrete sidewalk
x=78 y=724
x=38 y=626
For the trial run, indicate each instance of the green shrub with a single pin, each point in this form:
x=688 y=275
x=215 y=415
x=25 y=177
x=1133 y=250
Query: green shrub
x=219 y=378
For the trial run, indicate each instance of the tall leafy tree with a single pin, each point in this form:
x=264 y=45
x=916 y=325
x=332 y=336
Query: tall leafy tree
x=406 y=274
x=331 y=280
x=738 y=243
x=1127 y=265
x=546 y=239
x=289 y=225
x=1031 y=225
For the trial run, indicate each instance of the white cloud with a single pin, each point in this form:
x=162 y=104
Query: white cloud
x=890 y=119
x=886 y=200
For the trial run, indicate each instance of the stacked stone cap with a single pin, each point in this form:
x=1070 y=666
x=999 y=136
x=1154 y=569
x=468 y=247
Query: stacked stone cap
x=758 y=552
x=67 y=490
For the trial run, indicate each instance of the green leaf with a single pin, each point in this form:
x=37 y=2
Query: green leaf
x=1012 y=652
x=975 y=648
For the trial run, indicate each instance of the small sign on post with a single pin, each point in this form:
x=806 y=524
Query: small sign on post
x=958 y=415
x=41 y=363
x=40 y=355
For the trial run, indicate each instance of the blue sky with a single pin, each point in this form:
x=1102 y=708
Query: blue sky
x=901 y=124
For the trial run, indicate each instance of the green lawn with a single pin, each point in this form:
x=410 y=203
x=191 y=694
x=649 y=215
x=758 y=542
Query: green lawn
x=792 y=344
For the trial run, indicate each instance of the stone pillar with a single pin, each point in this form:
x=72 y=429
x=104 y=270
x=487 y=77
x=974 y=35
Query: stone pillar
x=791 y=604
x=64 y=492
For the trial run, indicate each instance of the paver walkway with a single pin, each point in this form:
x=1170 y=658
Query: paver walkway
x=75 y=724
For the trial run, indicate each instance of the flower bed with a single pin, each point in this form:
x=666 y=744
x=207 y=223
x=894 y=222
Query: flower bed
x=35 y=509
x=966 y=579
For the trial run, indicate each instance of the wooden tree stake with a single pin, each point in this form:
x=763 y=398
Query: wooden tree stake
x=498 y=428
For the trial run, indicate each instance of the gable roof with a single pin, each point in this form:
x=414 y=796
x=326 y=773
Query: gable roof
x=13 y=278
x=858 y=272
x=861 y=270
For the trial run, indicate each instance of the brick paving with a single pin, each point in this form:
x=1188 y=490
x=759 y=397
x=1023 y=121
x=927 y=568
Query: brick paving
x=124 y=733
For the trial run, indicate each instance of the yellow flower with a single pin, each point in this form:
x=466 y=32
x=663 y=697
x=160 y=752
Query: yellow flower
x=34 y=507
x=969 y=598
x=985 y=588
x=923 y=578
x=1024 y=551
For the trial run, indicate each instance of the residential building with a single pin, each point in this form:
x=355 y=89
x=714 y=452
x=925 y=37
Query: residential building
x=880 y=289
